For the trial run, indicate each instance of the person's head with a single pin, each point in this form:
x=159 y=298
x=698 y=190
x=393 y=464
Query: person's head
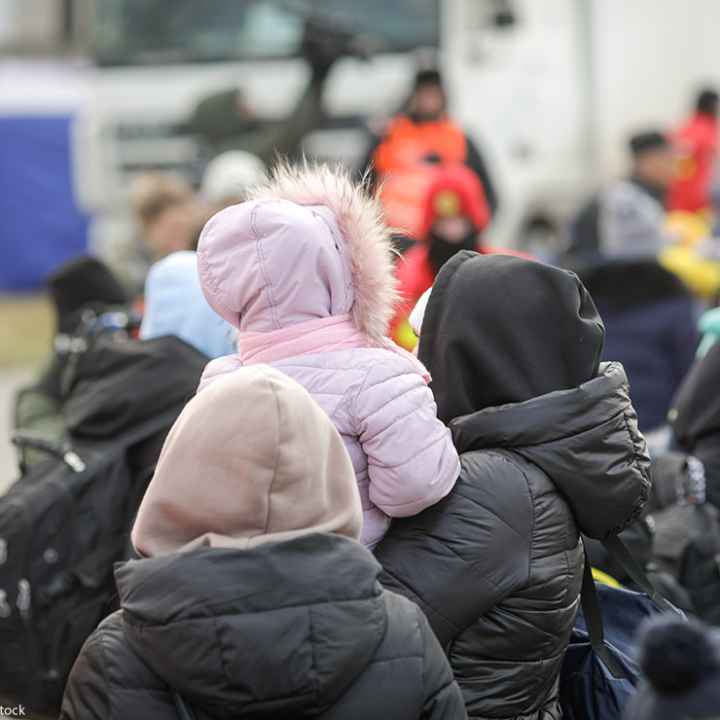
x=500 y=329
x=653 y=158
x=680 y=663
x=455 y=212
x=85 y=282
x=707 y=102
x=309 y=244
x=251 y=459
x=166 y=213
x=428 y=101
x=229 y=176
x=175 y=305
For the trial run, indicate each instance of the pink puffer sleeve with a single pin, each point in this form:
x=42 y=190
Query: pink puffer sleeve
x=412 y=462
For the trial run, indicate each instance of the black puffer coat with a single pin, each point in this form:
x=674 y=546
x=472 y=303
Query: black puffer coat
x=286 y=630
x=497 y=565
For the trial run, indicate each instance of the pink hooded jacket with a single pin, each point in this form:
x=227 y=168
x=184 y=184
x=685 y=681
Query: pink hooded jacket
x=304 y=271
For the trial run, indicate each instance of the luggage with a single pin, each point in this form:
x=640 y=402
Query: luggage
x=67 y=521
x=599 y=674
x=589 y=690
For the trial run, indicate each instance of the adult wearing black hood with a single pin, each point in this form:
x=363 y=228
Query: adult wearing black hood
x=549 y=448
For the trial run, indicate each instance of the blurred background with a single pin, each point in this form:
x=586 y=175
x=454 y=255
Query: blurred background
x=112 y=112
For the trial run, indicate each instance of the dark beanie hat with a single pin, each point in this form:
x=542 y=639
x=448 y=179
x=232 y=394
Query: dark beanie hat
x=647 y=141
x=428 y=76
x=707 y=101
x=81 y=283
x=680 y=662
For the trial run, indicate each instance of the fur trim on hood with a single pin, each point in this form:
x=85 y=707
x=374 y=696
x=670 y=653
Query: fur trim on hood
x=360 y=220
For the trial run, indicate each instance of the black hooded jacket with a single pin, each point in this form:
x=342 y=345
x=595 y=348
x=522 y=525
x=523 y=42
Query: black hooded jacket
x=497 y=565
x=293 y=629
x=695 y=418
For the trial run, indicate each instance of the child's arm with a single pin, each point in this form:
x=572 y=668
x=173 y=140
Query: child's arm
x=412 y=462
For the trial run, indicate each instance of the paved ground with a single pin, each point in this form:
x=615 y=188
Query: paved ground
x=9 y=381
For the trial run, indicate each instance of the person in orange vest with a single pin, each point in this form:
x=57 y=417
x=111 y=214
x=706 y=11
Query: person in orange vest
x=697 y=142
x=455 y=211
x=416 y=142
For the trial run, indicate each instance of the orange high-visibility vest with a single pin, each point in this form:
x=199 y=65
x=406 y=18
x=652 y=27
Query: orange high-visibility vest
x=403 y=169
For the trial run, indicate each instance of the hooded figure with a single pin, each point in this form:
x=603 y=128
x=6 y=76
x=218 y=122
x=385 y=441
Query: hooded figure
x=174 y=305
x=254 y=599
x=304 y=271
x=549 y=448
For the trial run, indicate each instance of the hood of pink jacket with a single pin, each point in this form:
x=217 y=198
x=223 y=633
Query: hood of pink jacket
x=308 y=245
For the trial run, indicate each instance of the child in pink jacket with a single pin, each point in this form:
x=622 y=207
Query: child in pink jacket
x=304 y=271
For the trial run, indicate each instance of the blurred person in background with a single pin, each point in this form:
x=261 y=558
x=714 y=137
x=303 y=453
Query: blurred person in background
x=650 y=318
x=175 y=305
x=628 y=218
x=454 y=214
x=403 y=159
x=649 y=313
x=696 y=142
x=166 y=215
x=165 y=208
x=82 y=291
x=228 y=177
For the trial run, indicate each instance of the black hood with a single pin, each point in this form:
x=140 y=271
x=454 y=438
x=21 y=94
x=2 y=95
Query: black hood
x=695 y=414
x=513 y=347
x=585 y=439
x=500 y=329
x=281 y=630
x=114 y=386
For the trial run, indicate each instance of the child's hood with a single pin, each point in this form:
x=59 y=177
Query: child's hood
x=309 y=244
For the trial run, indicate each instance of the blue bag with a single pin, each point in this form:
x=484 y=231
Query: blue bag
x=599 y=674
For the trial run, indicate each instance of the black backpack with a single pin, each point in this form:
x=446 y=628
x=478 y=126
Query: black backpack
x=699 y=571
x=67 y=521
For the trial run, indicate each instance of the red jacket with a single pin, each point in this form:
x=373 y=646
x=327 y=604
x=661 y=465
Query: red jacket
x=414 y=272
x=696 y=142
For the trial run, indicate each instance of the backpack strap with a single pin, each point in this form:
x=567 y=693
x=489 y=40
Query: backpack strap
x=620 y=553
x=591 y=605
x=593 y=622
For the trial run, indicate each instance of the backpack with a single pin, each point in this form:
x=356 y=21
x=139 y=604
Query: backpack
x=699 y=571
x=66 y=522
x=62 y=528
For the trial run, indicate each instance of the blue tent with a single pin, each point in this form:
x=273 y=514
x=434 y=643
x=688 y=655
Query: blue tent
x=40 y=225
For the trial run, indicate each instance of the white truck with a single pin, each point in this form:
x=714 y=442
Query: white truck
x=549 y=89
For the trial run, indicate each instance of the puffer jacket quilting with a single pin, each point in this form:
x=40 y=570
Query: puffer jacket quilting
x=386 y=415
x=290 y=629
